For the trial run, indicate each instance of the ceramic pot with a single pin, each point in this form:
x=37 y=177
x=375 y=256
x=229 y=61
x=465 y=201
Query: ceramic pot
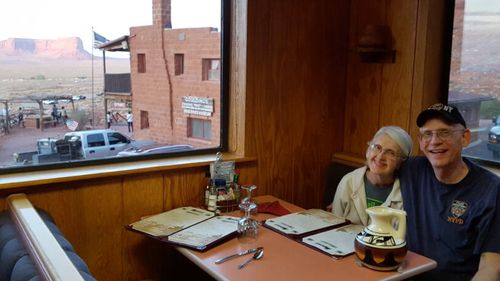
x=380 y=245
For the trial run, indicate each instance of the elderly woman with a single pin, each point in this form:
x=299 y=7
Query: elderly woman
x=376 y=183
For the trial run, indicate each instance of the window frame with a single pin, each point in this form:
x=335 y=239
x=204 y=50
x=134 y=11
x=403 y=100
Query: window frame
x=447 y=60
x=446 y=75
x=203 y=123
x=144 y=119
x=224 y=116
x=205 y=68
x=141 y=63
x=178 y=64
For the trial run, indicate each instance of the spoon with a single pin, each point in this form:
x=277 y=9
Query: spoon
x=257 y=256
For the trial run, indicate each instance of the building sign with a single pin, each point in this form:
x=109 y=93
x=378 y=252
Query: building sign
x=198 y=105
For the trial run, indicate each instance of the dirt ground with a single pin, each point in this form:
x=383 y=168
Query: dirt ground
x=24 y=139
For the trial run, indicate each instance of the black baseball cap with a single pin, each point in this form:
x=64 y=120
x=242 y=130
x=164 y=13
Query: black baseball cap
x=448 y=113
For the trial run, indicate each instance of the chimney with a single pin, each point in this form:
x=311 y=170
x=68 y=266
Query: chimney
x=161 y=14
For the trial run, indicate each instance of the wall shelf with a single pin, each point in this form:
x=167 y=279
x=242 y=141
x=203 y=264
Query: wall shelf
x=376 y=55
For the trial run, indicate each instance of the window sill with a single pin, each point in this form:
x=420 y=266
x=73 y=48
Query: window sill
x=25 y=179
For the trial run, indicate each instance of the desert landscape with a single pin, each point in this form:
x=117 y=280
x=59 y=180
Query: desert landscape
x=63 y=71
x=42 y=78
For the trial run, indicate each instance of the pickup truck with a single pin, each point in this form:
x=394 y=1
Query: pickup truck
x=80 y=145
x=494 y=137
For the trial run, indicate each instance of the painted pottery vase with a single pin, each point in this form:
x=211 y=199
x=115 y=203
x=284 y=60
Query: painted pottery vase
x=380 y=245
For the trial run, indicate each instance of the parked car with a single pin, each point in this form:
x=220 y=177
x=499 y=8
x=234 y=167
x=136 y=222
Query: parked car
x=100 y=143
x=494 y=137
x=79 y=145
x=78 y=98
x=155 y=148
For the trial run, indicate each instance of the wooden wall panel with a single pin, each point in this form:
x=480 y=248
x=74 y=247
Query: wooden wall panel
x=63 y=203
x=185 y=187
x=142 y=195
x=90 y=216
x=100 y=211
x=428 y=83
x=397 y=77
x=295 y=76
x=380 y=94
x=237 y=83
x=363 y=80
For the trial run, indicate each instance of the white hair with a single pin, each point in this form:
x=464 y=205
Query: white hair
x=399 y=136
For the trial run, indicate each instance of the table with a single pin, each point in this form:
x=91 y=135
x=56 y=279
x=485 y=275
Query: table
x=286 y=259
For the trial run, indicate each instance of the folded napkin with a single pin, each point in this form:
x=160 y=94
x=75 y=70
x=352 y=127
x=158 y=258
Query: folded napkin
x=274 y=208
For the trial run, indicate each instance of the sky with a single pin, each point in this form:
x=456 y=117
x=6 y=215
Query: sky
x=482 y=6
x=53 y=19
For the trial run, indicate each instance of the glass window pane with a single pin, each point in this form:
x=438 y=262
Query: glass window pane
x=115 y=138
x=95 y=140
x=121 y=65
x=474 y=73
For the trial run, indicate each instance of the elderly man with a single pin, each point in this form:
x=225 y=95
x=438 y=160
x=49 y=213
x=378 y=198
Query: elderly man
x=453 y=205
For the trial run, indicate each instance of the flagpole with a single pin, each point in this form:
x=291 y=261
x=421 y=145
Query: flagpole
x=93 y=116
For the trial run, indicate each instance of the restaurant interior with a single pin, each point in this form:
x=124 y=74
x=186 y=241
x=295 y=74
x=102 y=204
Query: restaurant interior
x=310 y=82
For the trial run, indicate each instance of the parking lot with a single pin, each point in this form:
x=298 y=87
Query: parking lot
x=24 y=139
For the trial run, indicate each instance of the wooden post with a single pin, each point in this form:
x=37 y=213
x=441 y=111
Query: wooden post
x=40 y=105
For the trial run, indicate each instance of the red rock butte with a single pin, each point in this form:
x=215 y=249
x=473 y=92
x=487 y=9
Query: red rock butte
x=70 y=48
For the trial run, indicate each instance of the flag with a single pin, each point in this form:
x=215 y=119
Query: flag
x=99 y=39
x=72 y=124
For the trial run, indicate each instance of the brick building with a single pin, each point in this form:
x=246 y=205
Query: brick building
x=175 y=81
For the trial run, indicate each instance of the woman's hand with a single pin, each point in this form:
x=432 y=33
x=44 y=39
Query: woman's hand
x=329 y=207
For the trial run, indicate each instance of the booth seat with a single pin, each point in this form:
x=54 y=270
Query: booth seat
x=16 y=263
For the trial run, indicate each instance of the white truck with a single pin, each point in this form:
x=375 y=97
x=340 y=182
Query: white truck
x=91 y=144
x=99 y=143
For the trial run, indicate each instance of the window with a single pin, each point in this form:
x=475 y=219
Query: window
x=179 y=64
x=211 y=69
x=475 y=72
x=199 y=128
x=144 y=119
x=141 y=63
x=95 y=140
x=116 y=138
x=149 y=57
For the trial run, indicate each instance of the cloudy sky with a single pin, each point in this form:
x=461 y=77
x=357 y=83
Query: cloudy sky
x=52 y=19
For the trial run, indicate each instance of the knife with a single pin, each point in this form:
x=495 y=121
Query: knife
x=249 y=251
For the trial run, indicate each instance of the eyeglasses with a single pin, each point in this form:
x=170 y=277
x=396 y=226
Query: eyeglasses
x=442 y=134
x=388 y=153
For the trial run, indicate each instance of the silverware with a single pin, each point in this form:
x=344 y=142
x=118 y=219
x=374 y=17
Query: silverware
x=249 y=251
x=257 y=256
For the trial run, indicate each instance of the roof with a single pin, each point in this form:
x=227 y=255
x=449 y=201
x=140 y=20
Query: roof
x=456 y=97
x=119 y=44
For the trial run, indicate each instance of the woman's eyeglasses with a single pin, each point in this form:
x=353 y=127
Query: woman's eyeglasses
x=388 y=153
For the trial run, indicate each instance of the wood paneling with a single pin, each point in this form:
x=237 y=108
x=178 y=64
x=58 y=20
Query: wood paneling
x=295 y=93
x=184 y=188
x=401 y=18
x=379 y=94
x=363 y=81
x=142 y=196
x=428 y=83
x=237 y=76
x=90 y=216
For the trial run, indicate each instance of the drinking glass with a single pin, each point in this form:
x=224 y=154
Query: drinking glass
x=248 y=199
x=248 y=227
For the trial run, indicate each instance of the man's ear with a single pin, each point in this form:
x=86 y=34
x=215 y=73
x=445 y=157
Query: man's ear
x=466 y=137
